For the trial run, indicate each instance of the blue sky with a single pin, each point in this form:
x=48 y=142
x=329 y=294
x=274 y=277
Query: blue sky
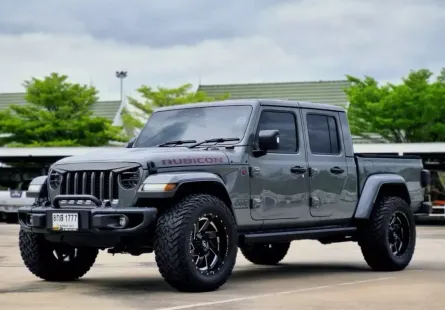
x=171 y=42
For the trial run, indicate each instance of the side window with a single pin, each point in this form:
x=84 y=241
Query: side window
x=285 y=122
x=323 y=134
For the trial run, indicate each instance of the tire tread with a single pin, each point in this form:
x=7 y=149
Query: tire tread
x=372 y=236
x=37 y=256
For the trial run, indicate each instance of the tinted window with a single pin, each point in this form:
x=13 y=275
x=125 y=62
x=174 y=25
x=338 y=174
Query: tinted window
x=323 y=134
x=285 y=122
x=195 y=124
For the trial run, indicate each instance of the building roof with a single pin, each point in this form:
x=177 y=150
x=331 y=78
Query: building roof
x=328 y=92
x=107 y=109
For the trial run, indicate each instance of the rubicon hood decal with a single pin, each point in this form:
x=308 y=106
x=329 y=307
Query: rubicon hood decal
x=161 y=157
x=195 y=161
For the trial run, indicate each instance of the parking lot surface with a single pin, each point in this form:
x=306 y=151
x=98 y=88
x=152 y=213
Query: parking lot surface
x=312 y=276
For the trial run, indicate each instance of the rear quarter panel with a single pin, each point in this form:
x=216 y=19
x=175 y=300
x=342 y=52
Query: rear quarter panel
x=409 y=168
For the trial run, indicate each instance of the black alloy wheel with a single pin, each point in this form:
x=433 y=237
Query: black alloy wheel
x=398 y=233
x=209 y=244
x=64 y=253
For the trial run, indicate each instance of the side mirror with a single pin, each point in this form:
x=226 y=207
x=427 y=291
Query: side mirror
x=130 y=143
x=269 y=140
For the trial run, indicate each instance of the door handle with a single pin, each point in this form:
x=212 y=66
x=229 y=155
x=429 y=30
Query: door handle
x=298 y=170
x=337 y=170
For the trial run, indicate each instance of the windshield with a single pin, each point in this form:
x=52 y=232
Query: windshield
x=194 y=124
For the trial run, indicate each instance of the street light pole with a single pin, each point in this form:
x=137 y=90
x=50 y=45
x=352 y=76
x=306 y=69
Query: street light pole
x=121 y=75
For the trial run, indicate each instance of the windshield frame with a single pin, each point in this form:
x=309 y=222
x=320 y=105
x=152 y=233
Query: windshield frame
x=198 y=106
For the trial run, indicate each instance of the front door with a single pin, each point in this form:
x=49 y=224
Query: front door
x=327 y=163
x=279 y=185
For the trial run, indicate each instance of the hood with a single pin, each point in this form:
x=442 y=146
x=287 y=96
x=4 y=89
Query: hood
x=160 y=156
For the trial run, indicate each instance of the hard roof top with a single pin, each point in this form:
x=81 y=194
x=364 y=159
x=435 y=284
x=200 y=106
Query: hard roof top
x=301 y=104
x=253 y=102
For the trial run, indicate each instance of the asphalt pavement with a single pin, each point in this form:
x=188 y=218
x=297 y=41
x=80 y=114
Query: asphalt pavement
x=312 y=276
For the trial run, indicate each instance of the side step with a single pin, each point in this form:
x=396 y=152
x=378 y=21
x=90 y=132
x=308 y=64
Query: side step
x=291 y=235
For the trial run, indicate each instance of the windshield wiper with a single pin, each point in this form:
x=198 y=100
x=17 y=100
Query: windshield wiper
x=215 y=140
x=176 y=142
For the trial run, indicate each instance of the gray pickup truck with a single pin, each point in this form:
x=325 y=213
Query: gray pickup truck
x=206 y=179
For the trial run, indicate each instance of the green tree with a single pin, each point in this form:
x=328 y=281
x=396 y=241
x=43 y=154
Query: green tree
x=412 y=111
x=57 y=113
x=161 y=97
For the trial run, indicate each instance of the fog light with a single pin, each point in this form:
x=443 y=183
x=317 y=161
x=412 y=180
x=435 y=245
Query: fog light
x=30 y=220
x=123 y=221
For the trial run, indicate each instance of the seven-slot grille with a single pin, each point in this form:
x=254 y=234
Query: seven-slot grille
x=101 y=184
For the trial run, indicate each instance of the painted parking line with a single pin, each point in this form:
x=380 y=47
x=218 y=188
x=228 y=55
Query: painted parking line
x=226 y=301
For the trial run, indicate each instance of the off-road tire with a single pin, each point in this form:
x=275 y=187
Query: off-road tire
x=173 y=238
x=265 y=254
x=37 y=255
x=373 y=235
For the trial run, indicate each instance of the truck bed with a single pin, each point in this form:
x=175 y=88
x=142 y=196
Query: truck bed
x=408 y=166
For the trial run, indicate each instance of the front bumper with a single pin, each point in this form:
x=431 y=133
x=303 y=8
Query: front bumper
x=100 y=220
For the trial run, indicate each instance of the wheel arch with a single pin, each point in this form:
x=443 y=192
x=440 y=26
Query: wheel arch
x=188 y=183
x=210 y=187
x=377 y=186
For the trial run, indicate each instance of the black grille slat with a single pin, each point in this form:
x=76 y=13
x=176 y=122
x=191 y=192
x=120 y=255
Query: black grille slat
x=93 y=182
x=101 y=184
x=68 y=183
x=110 y=184
x=84 y=183
x=76 y=183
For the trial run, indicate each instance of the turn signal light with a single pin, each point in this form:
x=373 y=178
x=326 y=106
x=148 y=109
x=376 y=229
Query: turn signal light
x=166 y=187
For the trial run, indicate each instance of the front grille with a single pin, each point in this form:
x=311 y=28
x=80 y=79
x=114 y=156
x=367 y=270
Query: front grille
x=101 y=184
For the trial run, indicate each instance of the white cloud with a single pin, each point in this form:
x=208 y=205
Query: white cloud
x=293 y=41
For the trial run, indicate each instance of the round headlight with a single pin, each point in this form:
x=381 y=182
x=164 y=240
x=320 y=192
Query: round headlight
x=129 y=179
x=55 y=180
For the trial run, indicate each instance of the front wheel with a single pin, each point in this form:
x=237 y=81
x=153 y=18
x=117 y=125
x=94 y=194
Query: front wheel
x=388 y=239
x=54 y=261
x=196 y=244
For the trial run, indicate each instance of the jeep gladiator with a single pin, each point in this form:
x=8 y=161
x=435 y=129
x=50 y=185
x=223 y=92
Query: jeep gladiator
x=203 y=181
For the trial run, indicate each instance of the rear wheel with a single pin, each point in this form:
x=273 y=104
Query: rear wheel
x=54 y=261
x=265 y=254
x=388 y=239
x=196 y=244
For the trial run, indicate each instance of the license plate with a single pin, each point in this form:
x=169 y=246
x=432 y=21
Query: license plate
x=65 y=221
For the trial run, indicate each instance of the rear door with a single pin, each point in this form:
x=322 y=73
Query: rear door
x=328 y=171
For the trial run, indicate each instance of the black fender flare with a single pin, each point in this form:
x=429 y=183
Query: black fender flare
x=371 y=190
x=179 y=179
